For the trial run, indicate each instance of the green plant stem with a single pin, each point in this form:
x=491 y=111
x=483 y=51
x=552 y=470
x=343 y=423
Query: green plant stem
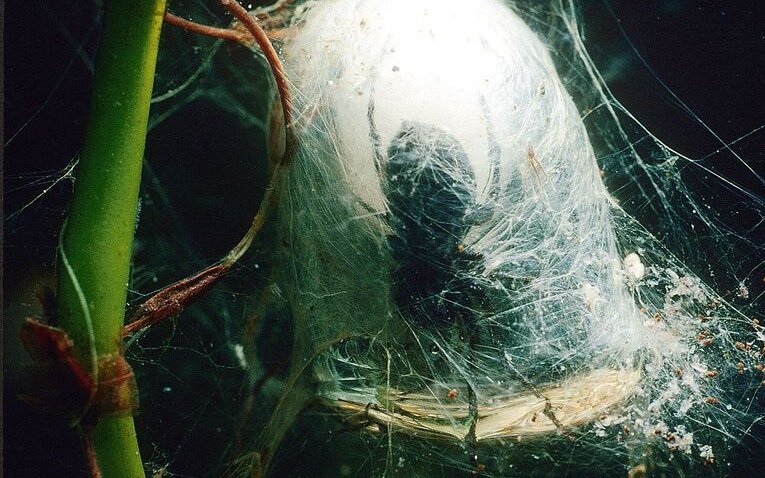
x=96 y=242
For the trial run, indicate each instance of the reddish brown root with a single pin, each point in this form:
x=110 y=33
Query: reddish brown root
x=174 y=298
x=206 y=30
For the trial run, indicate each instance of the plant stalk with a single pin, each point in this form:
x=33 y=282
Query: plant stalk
x=97 y=238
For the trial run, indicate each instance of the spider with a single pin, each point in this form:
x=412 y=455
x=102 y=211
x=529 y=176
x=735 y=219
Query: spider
x=430 y=190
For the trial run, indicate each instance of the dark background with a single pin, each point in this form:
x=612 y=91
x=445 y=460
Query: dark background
x=206 y=165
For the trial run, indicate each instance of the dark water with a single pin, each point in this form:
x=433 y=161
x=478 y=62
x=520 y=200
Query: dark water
x=205 y=173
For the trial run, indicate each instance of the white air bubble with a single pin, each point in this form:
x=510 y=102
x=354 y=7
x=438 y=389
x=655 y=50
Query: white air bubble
x=447 y=219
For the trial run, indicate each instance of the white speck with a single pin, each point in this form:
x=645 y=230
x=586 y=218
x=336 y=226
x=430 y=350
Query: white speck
x=634 y=267
x=684 y=407
x=239 y=352
x=591 y=295
x=705 y=451
x=683 y=441
x=167 y=389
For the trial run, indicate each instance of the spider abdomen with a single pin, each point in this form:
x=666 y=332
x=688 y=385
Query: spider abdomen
x=430 y=189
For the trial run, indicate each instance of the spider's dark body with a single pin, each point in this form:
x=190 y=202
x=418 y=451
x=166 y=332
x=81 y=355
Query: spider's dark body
x=430 y=189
